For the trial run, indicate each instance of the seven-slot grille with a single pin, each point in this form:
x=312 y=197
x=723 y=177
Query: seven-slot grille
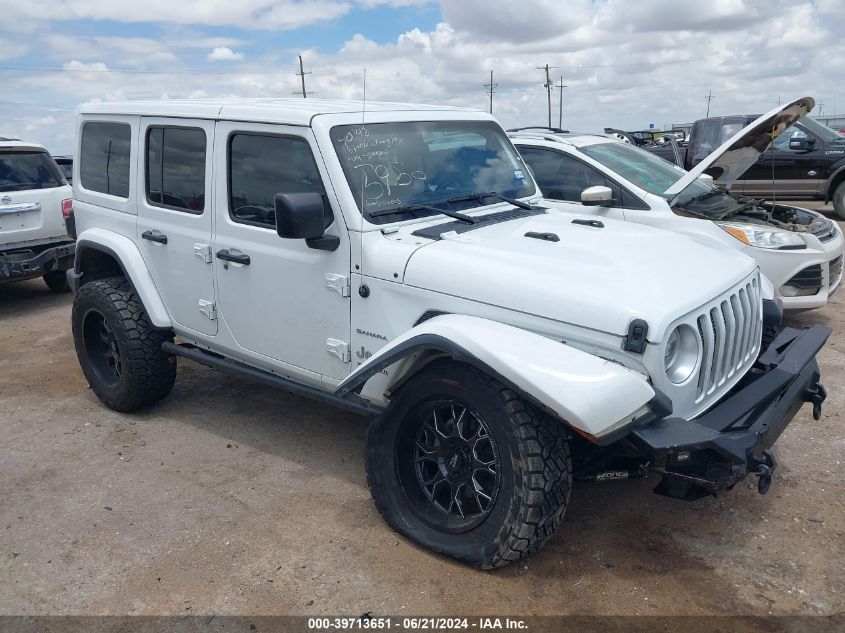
x=730 y=336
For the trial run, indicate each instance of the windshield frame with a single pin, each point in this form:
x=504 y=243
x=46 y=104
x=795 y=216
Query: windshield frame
x=468 y=125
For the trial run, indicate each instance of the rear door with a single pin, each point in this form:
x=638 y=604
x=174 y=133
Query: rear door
x=175 y=210
x=31 y=192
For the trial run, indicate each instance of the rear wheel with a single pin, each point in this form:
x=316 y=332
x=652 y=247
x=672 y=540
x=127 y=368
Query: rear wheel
x=461 y=465
x=118 y=349
x=839 y=201
x=57 y=281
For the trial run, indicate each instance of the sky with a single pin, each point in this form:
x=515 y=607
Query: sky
x=624 y=64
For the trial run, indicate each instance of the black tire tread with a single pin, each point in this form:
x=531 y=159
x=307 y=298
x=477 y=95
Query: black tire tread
x=543 y=471
x=56 y=281
x=151 y=371
x=770 y=333
x=839 y=201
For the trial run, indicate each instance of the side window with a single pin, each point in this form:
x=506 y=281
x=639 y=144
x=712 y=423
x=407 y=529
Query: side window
x=707 y=138
x=104 y=157
x=176 y=168
x=260 y=166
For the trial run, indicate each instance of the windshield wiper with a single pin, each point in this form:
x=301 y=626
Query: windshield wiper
x=425 y=207
x=491 y=194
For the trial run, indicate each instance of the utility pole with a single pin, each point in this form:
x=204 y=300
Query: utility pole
x=821 y=107
x=491 y=88
x=709 y=97
x=548 y=86
x=302 y=74
x=560 y=112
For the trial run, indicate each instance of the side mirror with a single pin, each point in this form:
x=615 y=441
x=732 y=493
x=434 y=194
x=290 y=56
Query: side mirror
x=302 y=216
x=801 y=143
x=599 y=196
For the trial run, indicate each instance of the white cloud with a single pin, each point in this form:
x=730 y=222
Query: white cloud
x=224 y=54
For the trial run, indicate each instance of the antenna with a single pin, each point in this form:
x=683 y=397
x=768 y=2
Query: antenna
x=364 y=101
x=301 y=74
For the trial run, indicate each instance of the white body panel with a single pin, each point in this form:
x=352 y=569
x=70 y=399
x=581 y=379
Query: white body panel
x=573 y=384
x=778 y=266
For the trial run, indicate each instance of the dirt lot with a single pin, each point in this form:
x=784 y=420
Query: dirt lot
x=234 y=498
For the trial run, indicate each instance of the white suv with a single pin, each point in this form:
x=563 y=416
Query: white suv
x=798 y=250
x=36 y=215
x=397 y=261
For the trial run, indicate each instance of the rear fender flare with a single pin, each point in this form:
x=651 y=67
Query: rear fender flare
x=130 y=260
x=591 y=394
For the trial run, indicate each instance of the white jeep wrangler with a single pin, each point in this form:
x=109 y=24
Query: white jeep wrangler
x=398 y=261
x=36 y=216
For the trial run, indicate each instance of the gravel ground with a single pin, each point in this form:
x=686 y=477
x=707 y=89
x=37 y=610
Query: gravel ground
x=229 y=498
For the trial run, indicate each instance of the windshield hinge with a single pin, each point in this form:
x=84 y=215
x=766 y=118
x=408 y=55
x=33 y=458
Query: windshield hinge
x=338 y=283
x=339 y=348
x=203 y=251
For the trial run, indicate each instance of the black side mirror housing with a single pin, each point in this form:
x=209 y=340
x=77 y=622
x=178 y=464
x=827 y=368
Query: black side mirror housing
x=302 y=216
x=801 y=143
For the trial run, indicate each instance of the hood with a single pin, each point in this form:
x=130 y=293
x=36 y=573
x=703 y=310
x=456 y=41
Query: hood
x=733 y=157
x=599 y=278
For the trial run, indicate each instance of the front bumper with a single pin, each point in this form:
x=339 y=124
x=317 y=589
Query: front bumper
x=25 y=264
x=732 y=440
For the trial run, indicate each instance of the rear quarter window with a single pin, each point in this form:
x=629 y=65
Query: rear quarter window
x=24 y=170
x=104 y=157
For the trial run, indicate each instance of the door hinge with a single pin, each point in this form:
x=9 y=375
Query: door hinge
x=339 y=348
x=338 y=283
x=203 y=251
x=208 y=309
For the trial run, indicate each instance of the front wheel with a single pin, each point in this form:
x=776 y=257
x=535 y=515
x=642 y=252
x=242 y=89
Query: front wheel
x=839 y=201
x=118 y=349
x=461 y=465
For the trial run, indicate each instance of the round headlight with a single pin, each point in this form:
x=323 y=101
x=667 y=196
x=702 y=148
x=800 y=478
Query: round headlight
x=680 y=356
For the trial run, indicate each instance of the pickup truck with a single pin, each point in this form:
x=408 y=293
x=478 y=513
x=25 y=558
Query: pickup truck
x=807 y=160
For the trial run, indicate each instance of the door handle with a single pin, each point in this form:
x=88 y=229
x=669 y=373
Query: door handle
x=155 y=236
x=234 y=256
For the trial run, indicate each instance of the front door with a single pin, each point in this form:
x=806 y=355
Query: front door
x=273 y=292
x=175 y=208
x=785 y=171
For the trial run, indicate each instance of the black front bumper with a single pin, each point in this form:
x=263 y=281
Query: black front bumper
x=23 y=264
x=730 y=441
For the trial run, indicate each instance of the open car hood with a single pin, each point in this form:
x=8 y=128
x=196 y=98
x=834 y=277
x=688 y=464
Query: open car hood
x=733 y=158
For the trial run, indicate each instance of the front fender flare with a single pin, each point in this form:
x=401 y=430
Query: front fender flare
x=591 y=394
x=130 y=260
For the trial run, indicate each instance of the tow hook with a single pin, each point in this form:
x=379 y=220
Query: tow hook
x=816 y=395
x=764 y=472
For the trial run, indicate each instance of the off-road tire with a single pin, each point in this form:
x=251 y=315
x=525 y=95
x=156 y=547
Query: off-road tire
x=534 y=459
x=147 y=373
x=839 y=201
x=57 y=281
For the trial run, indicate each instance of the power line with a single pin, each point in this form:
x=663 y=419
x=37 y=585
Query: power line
x=709 y=98
x=548 y=87
x=491 y=88
x=301 y=74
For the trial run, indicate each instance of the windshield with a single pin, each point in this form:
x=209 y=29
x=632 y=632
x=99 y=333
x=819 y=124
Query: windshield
x=20 y=171
x=656 y=175
x=394 y=165
x=820 y=130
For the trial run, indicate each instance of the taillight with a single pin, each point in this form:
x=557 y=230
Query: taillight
x=67 y=208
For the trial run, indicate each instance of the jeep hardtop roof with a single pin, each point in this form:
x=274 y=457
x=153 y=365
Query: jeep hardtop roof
x=285 y=111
